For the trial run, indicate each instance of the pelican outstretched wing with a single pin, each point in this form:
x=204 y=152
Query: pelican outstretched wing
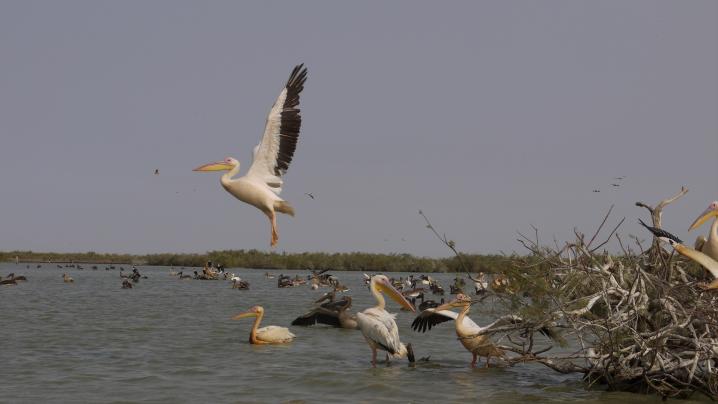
x=430 y=317
x=274 y=153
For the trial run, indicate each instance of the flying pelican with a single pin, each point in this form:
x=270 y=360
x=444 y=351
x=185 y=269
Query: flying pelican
x=309 y=194
x=709 y=246
x=261 y=186
x=378 y=326
x=270 y=334
x=706 y=261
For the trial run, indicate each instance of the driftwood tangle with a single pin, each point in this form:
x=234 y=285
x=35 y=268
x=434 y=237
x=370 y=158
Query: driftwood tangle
x=638 y=322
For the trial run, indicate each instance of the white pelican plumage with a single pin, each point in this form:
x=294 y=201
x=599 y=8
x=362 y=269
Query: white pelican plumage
x=261 y=186
x=378 y=326
x=270 y=334
x=708 y=246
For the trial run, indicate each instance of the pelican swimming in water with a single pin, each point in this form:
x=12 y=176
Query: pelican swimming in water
x=378 y=326
x=705 y=260
x=261 y=186
x=66 y=278
x=8 y=281
x=708 y=246
x=467 y=330
x=270 y=334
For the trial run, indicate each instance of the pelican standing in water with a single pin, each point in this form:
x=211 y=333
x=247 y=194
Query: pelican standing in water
x=270 y=334
x=261 y=186
x=378 y=326
x=708 y=246
x=467 y=330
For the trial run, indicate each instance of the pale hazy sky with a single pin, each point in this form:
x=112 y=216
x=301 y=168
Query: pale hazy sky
x=488 y=115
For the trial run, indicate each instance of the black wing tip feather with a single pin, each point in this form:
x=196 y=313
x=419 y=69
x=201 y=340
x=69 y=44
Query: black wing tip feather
x=291 y=119
x=297 y=78
x=660 y=232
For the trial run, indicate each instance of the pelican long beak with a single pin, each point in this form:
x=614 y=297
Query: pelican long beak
x=707 y=214
x=707 y=262
x=216 y=166
x=244 y=315
x=395 y=295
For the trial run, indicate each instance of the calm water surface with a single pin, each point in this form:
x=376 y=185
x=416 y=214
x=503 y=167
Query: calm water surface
x=172 y=341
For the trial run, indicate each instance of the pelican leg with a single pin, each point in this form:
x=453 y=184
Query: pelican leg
x=473 y=360
x=275 y=235
x=373 y=357
x=488 y=358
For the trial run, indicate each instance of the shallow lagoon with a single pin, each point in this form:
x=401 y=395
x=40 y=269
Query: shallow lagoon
x=170 y=341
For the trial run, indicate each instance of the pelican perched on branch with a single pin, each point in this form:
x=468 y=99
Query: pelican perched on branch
x=270 y=334
x=261 y=186
x=378 y=326
x=706 y=261
x=708 y=246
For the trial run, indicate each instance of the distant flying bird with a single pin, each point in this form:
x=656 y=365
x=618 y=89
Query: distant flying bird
x=616 y=185
x=157 y=171
x=309 y=194
x=619 y=178
x=261 y=186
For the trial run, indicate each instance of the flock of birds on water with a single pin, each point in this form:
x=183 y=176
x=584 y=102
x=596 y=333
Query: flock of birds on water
x=261 y=186
x=377 y=325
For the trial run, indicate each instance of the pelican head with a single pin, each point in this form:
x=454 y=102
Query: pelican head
x=255 y=311
x=383 y=284
x=460 y=301
x=225 y=165
x=711 y=211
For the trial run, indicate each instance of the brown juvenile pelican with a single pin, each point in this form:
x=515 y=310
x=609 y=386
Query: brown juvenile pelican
x=334 y=313
x=428 y=304
x=378 y=326
x=270 y=334
x=240 y=284
x=66 y=278
x=708 y=246
x=8 y=281
x=262 y=184
x=466 y=329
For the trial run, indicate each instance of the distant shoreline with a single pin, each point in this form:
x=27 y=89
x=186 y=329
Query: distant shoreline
x=255 y=259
